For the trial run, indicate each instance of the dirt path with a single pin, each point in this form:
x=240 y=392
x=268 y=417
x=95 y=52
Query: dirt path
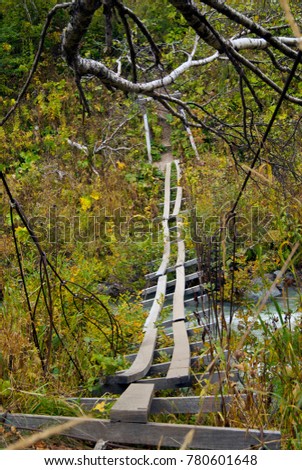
x=167 y=156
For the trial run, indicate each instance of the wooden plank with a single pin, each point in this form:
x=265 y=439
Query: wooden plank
x=181 y=357
x=152 y=434
x=187 y=291
x=142 y=362
x=188 y=278
x=174 y=405
x=201 y=298
x=178 y=201
x=172 y=201
x=196 y=346
x=178 y=198
x=157 y=303
x=166 y=254
x=164 y=383
x=166 y=212
x=187 y=264
x=181 y=253
x=188 y=318
x=192 y=405
x=196 y=329
x=134 y=404
x=178 y=297
x=162 y=367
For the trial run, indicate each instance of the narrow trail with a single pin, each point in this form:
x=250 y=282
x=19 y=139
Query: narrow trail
x=167 y=156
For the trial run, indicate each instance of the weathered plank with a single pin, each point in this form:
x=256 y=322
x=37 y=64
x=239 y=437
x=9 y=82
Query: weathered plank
x=166 y=211
x=174 y=405
x=192 y=405
x=172 y=201
x=157 y=303
x=188 y=318
x=166 y=254
x=194 y=347
x=178 y=201
x=188 y=291
x=181 y=253
x=181 y=357
x=178 y=198
x=188 y=278
x=142 y=362
x=152 y=434
x=202 y=298
x=196 y=330
x=178 y=297
x=164 y=383
x=187 y=264
x=162 y=367
x=133 y=405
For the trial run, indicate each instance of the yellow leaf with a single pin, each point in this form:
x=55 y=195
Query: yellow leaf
x=95 y=195
x=85 y=203
x=100 y=407
x=120 y=165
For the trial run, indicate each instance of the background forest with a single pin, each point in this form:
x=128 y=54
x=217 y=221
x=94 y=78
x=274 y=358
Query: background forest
x=74 y=157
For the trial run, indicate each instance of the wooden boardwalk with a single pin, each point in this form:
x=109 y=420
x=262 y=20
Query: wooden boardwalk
x=130 y=420
x=145 y=377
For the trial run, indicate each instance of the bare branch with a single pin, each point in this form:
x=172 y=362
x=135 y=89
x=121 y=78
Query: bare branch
x=196 y=20
x=243 y=20
x=144 y=30
x=98 y=147
x=78 y=146
x=130 y=42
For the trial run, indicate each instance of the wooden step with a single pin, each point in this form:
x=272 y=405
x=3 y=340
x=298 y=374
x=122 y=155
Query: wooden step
x=187 y=264
x=142 y=362
x=194 y=347
x=166 y=212
x=188 y=277
x=174 y=405
x=157 y=303
x=187 y=291
x=203 y=379
x=134 y=404
x=166 y=254
x=151 y=434
x=179 y=369
x=189 y=317
x=196 y=330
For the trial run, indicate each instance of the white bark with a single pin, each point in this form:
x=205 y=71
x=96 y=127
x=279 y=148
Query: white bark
x=78 y=146
x=148 y=137
x=190 y=135
x=92 y=67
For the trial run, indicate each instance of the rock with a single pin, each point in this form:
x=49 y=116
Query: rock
x=113 y=289
x=287 y=280
x=259 y=290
